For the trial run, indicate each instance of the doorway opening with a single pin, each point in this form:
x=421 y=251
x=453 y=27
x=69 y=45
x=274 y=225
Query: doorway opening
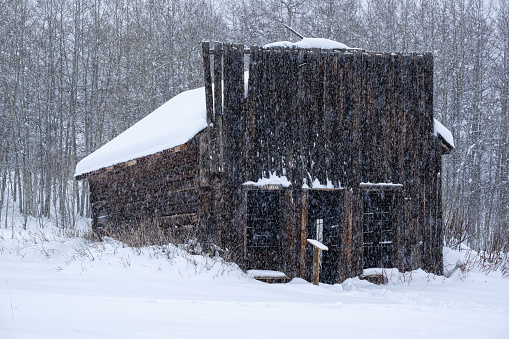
x=324 y=216
x=263 y=229
x=377 y=228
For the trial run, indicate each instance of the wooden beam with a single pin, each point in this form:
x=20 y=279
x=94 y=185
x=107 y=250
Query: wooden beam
x=217 y=137
x=209 y=103
x=303 y=233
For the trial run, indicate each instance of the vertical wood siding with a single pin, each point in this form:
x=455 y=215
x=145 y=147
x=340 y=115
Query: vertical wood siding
x=343 y=116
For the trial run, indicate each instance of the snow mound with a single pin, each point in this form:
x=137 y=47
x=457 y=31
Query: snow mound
x=309 y=43
x=172 y=124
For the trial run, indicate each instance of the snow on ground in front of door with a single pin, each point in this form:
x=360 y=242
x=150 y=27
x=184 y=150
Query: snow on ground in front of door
x=265 y=274
x=56 y=286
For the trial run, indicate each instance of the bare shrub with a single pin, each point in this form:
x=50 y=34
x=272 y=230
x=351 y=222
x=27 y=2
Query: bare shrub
x=486 y=263
x=456 y=228
x=139 y=233
x=490 y=255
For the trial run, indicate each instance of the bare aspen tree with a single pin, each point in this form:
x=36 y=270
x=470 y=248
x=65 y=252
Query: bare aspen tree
x=501 y=74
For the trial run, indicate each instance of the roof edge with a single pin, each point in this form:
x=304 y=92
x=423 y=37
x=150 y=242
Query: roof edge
x=133 y=162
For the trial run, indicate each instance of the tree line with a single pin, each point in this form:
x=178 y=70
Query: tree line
x=76 y=73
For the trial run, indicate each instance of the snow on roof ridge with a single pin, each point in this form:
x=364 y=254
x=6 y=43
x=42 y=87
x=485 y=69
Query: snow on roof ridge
x=439 y=129
x=309 y=43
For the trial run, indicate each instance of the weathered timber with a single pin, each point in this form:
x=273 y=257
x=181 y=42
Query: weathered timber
x=303 y=210
x=146 y=185
x=119 y=168
x=205 y=148
x=317 y=247
x=217 y=128
x=345 y=239
x=254 y=106
x=179 y=219
x=209 y=101
x=314 y=116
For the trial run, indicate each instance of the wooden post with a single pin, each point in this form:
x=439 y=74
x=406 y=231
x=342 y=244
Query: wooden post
x=217 y=137
x=316 y=266
x=317 y=247
x=209 y=103
x=303 y=201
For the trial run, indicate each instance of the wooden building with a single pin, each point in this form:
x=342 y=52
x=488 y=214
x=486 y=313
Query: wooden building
x=335 y=145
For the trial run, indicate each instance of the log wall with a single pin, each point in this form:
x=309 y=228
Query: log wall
x=162 y=188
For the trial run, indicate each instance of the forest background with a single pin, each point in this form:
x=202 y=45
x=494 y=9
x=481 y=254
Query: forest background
x=76 y=73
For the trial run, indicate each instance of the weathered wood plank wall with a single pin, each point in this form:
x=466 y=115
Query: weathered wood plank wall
x=341 y=116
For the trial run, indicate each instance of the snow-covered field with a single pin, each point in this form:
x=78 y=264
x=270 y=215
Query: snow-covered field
x=55 y=286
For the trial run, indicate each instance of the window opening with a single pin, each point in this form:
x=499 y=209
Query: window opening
x=262 y=219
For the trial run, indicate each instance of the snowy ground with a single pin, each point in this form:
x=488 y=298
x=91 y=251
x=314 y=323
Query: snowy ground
x=53 y=286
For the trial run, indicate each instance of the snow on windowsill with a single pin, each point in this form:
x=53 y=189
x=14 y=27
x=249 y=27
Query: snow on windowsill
x=316 y=184
x=273 y=179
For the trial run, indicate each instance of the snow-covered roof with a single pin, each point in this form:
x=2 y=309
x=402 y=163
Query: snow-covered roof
x=441 y=130
x=172 y=124
x=310 y=43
